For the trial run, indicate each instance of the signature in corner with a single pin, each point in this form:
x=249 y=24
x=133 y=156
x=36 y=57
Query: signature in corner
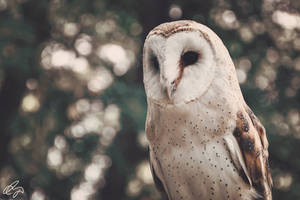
x=13 y=190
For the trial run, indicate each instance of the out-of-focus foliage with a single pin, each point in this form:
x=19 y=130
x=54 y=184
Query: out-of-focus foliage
x=72 y=104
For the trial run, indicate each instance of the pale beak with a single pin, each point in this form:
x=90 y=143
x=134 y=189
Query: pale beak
x=171 y=88
x=168 y=83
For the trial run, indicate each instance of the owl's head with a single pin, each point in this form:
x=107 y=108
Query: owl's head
x=179 y=62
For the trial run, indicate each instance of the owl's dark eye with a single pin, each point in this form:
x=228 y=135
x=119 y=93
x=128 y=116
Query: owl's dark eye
x=155 y=63
x=189 y=58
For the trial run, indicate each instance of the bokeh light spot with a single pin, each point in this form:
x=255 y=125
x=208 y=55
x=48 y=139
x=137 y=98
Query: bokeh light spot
x=60 y=142
x=229 y=17
x=92 y=172
x=101 y=79
x=175 y=12
x=134 y=187
x=30 y=103
x=80 y=65
x=286 y=20
x=71 y=29
x=261 y=82
x=31 y=84
x=241 y=75
x=136 y=29
x=283 y=181
x=117 y=56
x=62 y=58
x=83 y=45
x=142 y=140
x=144 y=172
x=83 y=191
x=3 y=5
x=38 y=195
x=54 y=157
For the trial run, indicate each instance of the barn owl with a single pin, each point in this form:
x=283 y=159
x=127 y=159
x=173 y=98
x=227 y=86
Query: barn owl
x=205 y=143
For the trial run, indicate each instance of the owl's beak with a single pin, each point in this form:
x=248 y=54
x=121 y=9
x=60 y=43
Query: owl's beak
x=171 y=88
x=168 y=85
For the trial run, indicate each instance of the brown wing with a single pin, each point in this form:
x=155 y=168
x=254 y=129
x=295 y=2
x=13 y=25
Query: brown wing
x=253 y=143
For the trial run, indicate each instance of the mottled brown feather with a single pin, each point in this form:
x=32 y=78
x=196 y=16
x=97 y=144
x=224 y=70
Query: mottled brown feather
x=168 y=29
x=252 y=140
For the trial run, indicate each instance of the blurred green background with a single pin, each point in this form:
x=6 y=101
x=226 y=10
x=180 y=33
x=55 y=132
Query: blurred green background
x=72 y=103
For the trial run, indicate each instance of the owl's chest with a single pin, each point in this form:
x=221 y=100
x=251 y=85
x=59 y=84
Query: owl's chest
x=192 y=153
x=192 y=124
x=195 y=162
x=191 y=140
